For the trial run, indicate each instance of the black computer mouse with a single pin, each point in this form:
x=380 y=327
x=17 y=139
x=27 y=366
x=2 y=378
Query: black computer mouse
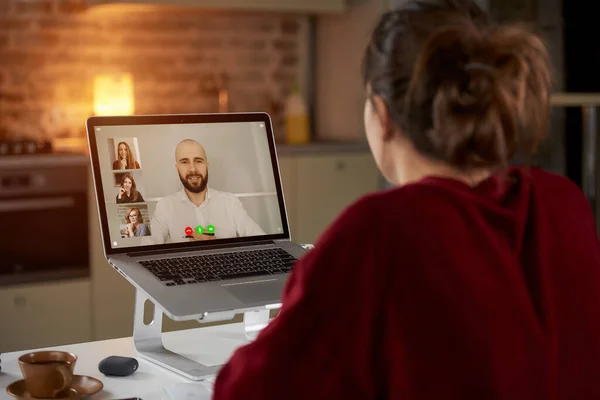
x=118 y=366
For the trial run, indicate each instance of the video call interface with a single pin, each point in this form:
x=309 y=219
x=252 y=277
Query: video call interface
x=187 y=182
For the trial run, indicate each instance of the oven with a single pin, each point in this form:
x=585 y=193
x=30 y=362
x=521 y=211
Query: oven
x=44 y=233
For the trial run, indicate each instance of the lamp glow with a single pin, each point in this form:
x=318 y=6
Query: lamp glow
x=113 y=94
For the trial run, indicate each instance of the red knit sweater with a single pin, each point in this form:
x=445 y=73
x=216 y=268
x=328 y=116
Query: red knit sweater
x=437 y=290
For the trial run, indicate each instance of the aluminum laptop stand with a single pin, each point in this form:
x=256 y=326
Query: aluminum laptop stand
x=148 y=342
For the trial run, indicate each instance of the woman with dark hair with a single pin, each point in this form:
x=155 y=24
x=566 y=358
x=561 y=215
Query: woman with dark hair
x=126 y=159
x=128 y=191
x=472 y=278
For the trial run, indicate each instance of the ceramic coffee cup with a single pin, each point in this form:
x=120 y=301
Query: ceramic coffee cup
x=48 y=374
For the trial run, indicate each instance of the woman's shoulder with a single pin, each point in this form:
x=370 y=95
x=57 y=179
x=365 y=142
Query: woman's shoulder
x=553 y=187
x=381 y=207
x=541 y=177
x=405 y=200
x=376 y=216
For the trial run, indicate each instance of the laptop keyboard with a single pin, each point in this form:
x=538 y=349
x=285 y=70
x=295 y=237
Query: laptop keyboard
x=215 y=267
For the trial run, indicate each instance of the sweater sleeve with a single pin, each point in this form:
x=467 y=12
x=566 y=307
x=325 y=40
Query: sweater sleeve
x=321 y=343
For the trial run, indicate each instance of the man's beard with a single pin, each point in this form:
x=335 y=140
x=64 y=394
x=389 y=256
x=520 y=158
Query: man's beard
x=199 y=188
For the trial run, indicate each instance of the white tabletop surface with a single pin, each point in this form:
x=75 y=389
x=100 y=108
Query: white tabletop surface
x=209 y=345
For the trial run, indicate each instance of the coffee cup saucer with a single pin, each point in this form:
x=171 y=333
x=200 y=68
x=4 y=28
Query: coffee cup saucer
x=81 y=387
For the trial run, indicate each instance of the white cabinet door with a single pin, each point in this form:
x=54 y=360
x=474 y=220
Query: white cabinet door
x=326 y=184
x=45 y=315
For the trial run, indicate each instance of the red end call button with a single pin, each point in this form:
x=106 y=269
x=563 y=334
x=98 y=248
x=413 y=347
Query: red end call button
x=189 y=231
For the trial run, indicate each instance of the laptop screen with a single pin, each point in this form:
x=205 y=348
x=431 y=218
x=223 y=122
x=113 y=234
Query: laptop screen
x=165 y=183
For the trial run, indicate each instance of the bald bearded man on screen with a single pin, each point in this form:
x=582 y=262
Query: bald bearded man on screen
x=197 y=204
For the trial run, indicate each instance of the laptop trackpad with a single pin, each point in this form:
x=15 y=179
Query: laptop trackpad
x=256 y=292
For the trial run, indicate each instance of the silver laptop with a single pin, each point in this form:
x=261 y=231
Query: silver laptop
x=192 y=210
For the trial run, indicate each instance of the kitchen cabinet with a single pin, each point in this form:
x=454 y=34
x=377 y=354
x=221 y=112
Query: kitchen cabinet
x=302 y=6
x=326 y=185
x=43 y=315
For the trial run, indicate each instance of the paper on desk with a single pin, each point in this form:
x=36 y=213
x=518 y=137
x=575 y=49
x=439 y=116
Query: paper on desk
x=188 y=391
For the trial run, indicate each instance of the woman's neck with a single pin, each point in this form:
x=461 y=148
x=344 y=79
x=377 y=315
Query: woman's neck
x=410 y=166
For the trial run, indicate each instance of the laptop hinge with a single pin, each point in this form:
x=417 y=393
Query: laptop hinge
x=208 y=247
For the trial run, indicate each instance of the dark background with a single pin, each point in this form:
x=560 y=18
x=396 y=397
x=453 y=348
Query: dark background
x=581 y=74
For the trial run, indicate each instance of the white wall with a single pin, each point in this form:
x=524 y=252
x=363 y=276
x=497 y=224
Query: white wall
x=341 y=41
x=238 y=155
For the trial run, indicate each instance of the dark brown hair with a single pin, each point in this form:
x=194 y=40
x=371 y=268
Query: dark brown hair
x=131 y=163
x=464 y=91
x=134 y=193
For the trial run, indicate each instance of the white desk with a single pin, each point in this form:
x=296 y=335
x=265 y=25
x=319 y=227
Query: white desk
x=209 y=345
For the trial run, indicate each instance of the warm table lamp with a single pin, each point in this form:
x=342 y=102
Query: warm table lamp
x=113 y=94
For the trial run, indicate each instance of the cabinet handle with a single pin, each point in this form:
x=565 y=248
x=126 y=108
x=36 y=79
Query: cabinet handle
x=340 y=166
x=20 y=301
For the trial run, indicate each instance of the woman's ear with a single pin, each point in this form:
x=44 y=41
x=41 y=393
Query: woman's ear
x=387 y=126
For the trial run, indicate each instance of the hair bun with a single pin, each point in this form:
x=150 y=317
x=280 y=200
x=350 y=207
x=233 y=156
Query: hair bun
x=476 y=97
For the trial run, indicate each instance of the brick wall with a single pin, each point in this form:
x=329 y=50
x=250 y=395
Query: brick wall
x=50 y=51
